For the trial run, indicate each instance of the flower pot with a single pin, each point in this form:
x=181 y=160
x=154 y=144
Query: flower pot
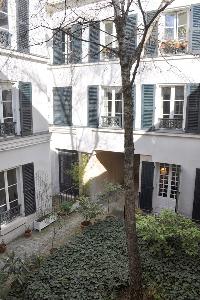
x=40 y=224
x=2 y=248
x=28 y=233
x=85 y=224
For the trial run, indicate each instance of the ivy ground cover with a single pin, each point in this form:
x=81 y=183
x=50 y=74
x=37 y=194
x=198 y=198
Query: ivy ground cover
x=94 y=265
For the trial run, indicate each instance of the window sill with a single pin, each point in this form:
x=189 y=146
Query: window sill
x=7 y=228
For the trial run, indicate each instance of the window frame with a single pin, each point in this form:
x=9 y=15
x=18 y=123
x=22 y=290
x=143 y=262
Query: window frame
x=176 y=13
x=105 y=53
x=6 y=187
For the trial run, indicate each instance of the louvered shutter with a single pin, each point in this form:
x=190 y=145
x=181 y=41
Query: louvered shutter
x=76 y=43
x=131 y=34
x=196 y=203
x=193 y=109
x=25 y=100
x=94 y=41
x=146 y=193
x=58 y=47
x=93 y=102
x=148 y=94
x=195 y=29
x=62 y=105
x=66 y=162
x=151 y=48
x=133 y=94
x=23 y=26
x=29 y=189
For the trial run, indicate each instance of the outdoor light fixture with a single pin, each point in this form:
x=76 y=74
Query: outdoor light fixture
x=163 y=171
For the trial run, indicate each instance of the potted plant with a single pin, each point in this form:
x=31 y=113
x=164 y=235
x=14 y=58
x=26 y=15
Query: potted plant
x=89 y=210
x=28 y=232
x=2 y=247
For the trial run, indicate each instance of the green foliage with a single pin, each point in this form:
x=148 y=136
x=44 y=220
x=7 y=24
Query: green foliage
x=109 y=189
x=66 y=206
x=94 y=265
x=169 y=232
x=88 y=208
x=77 y=171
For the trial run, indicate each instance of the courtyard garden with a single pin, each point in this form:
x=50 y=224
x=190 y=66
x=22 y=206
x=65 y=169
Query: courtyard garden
x=93 y=264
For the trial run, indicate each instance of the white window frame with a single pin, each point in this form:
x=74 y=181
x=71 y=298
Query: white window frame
x=172 y=100
x=114 y=90
x=6 y=186
x=68 y=48
x=176 y=26
x=114 y=42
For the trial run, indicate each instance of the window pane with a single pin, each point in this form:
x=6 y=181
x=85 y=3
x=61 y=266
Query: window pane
x=4 y=5
x=182 y=18
x=108 y=33
x=7 y=95
x=169 y=33
x=166 y=93
x=7 y=110
x=109 y=108
x=166 y=107
x=182 y=33
x=13 y=204
x=178 y=107
x=12 y=190
x=118 y=96
x=2 y=183
x=118 y=107
x=2 y=197
x=169 y=20
x=11 y=174
x=179 y=92
x=3 y=20
x=108 y=94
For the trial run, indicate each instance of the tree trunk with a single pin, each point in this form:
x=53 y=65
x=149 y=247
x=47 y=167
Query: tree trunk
x=136 y=292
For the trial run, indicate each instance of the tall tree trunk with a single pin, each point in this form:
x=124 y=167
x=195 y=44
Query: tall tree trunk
x=136 y=292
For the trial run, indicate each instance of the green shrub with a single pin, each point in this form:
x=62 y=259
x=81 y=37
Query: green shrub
x=88 y=208
x=169 y=232
x=66 y=206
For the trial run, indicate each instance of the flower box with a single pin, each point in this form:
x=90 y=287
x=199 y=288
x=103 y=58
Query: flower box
x=44 y=222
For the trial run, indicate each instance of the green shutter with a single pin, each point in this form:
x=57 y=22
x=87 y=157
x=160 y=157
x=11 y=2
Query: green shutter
x=93 y=102
x=193 y=109
x=148 y=94
x=76 y=43
x=195 y=29
x=25 y=101
x=29 y=189
x=133 y=93
x=131 y=34
x=62 y=105
x=94 y=41
x=58 y=47
x=151 y=48
x=22 y=25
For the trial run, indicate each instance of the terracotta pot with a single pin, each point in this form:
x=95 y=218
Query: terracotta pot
x=85 y=224
x=2 y=248
x=28 y=233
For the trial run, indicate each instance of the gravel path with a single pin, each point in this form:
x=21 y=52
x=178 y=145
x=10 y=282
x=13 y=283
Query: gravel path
x=41 y=242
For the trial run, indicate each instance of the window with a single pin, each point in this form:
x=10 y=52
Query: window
x=8 y=190
x=68 y=49
x=110 y=40
x=175 y=33
x=7 y=126
x=4 y=28
x=172 y=106
x=112 y=107
x=169 y=181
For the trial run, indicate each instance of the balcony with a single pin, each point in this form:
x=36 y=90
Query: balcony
x=111 y=122
x=7 y=129
x=173 y=47
x=8 y=216
x=170 y=123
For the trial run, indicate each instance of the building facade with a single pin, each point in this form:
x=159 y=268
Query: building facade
x=24 y=134
x=87 y=103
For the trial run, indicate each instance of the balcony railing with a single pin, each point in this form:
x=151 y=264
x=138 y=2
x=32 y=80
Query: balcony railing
x=173 y=47
x=7 y=129
x=114 y=122
x=171 y=123
x=8 y=216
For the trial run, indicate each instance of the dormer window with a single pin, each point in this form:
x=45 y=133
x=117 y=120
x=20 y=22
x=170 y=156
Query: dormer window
x=4 y=28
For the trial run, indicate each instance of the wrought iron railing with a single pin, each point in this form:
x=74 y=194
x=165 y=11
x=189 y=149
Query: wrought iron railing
x=7 y=129
x=10 y=215
x=171 y=123
x=114 y=122
x=70 y=194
